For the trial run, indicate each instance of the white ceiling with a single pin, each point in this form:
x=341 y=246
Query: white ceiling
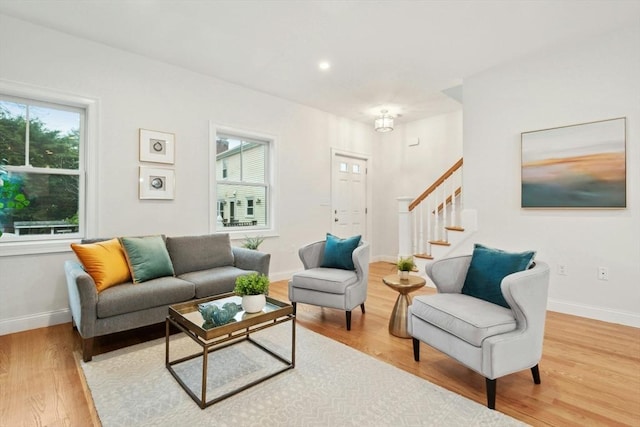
x=397 y=55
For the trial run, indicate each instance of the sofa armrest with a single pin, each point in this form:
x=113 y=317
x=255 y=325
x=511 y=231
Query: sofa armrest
x=448 y=274
x=311 y=255
x=526 y=293
x=248 y=259
x=360 y=257
x=83 y=298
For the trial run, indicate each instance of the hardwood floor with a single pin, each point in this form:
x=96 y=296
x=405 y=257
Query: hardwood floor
x=590 y=370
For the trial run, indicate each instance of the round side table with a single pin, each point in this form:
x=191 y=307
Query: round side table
x=398 y=320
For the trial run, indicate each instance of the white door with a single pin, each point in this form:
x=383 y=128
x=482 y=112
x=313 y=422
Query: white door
x=349 y=196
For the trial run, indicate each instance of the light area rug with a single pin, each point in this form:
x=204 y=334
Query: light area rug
x=331 y=385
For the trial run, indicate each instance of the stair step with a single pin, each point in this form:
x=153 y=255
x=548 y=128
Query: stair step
x=454 y=228
x=423 y=256
x=440 y=242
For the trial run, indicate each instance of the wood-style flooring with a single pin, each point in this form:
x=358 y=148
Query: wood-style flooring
x=590 y=370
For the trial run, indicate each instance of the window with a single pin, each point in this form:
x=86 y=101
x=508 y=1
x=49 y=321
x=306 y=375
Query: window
x=250 y=206
x=42 y=179
x=242 y=182
x=221 y=204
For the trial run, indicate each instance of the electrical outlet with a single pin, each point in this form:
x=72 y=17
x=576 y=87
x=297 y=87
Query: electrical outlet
x=603 y=273
x=562 y=269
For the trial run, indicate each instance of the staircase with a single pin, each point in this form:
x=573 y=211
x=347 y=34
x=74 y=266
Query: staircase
x=435 y=223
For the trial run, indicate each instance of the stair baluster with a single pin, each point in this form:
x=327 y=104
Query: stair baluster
x=439 y=209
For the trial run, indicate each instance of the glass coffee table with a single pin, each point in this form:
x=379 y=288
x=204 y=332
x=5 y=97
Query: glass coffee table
x=187 y=318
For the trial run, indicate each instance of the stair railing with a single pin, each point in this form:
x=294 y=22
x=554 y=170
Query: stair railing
x=434 y=212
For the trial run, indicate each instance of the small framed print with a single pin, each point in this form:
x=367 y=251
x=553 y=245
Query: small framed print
x=157 y=147
x=156 y=183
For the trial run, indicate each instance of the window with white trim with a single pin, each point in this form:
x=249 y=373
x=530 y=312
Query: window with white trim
x=250 y=207
x=242 y=180
x=42 y=182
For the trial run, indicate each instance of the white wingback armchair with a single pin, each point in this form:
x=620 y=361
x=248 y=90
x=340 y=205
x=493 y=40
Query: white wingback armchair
x=331 y=287
x=490 y=339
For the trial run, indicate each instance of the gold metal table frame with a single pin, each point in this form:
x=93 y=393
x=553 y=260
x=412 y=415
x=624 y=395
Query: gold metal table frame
x=186 y=318
x=398 y=319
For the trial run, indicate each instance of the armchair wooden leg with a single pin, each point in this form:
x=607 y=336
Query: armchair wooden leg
x=535 y=371
x=348 y=320
x=491 y=393
x=87 y=349
x=362 y=307
x=416 y=349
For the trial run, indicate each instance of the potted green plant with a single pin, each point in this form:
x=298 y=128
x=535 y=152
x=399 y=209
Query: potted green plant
x=253 y=289
x=405 y=265
x=252 y=242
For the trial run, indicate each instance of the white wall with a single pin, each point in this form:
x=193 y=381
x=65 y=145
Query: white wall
x=598 y=79
x=402 y=170
x=135 y=92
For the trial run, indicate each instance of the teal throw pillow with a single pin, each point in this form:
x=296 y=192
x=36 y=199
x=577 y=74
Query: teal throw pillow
x=337 y=252
x=147 y=257
x=487 y=269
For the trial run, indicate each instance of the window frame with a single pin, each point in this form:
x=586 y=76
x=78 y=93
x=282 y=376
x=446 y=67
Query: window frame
x=270 y=229
x=87 y=169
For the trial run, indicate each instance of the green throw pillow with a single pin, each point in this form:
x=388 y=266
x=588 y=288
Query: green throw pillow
x=147 y=257
x=337 y=252
x=487 y=269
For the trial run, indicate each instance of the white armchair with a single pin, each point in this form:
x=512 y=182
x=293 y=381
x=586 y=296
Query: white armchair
x=490 y=339
x=331 y=287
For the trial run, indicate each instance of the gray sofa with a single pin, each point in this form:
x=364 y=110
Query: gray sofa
x=204 y=266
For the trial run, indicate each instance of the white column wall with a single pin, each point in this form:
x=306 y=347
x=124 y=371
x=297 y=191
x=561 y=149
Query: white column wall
x=597 y=79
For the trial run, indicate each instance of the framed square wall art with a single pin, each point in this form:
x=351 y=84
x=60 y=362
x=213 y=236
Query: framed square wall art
x=577 y=166
x=156 y=183
x=157 y=147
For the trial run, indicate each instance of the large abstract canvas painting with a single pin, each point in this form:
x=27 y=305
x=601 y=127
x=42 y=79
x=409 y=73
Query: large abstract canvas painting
x=578 y=166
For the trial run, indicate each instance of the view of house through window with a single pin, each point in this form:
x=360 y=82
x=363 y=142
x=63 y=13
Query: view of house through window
x=40 y=178
x=241 y=182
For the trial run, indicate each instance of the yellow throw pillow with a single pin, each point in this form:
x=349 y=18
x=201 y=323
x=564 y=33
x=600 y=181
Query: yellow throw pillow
x=104 y=261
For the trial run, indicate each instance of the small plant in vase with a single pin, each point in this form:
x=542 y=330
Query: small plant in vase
x=252 y=242
x=405 y=265
x=253 y=289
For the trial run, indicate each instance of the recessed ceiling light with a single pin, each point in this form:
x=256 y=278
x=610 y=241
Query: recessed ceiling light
x=324 y=65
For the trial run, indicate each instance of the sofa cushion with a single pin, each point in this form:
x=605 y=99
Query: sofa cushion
x=214 y=281
x=328 y=280
x=487 y=269
x=104 y=261
x=130 y=297
x=147 y=257
x=195 y=253
x=468 y=318
x=338 y=252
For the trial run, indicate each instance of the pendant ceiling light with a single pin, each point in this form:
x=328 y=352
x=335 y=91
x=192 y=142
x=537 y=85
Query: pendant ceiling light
x=384 y=122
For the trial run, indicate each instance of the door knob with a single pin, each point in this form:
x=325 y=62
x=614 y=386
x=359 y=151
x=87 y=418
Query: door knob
x=335 y=220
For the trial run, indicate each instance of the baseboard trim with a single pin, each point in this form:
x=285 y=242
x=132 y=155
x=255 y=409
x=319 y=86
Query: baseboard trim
x=56 y=317
x=604 y=314
x=34 y=321
x=283 y=275
x=385 y=258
